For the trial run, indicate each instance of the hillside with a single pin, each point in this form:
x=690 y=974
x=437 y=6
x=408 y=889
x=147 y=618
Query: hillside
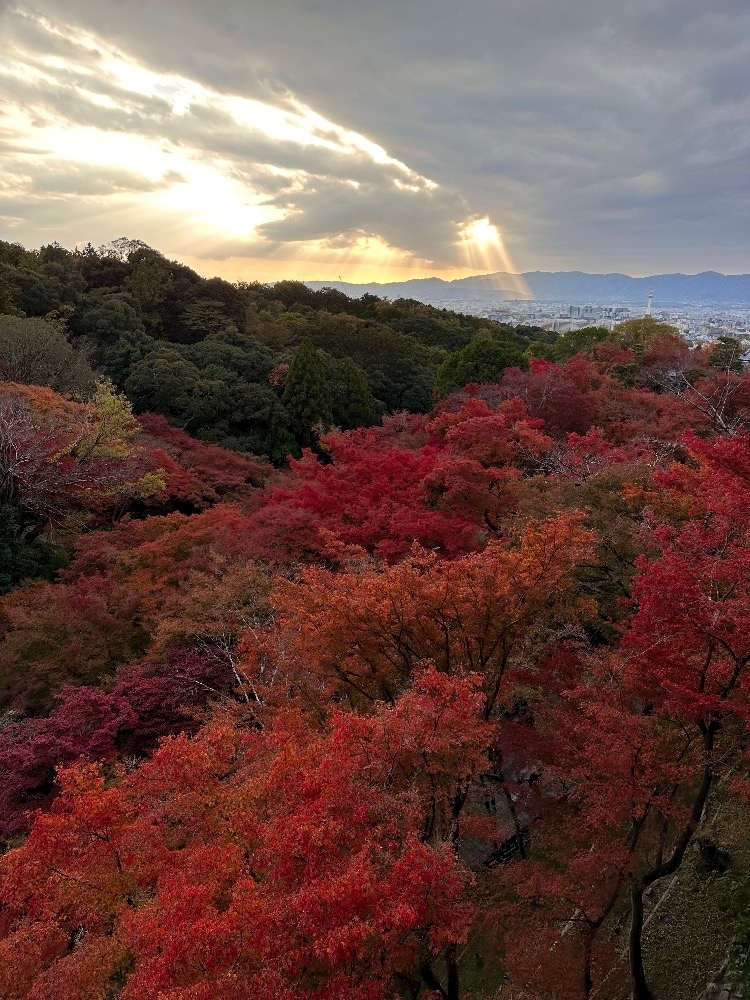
x=213 y=356
x=453 y=704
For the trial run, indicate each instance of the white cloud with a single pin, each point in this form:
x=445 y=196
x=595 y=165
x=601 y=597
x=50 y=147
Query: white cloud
x=209 y=172
x=595 y=134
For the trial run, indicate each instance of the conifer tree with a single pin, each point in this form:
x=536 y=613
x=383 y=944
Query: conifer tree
x=307 y=394
x=353 y=402
x=726 y=354
x=17 y=560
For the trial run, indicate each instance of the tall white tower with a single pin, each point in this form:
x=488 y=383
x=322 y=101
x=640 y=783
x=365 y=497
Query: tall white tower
x=650 y=303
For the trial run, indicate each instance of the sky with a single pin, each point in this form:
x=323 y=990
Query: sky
x=381 y=139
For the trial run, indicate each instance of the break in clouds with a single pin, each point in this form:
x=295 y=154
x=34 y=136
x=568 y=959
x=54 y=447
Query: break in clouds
x=597 y=135
x=90 y=132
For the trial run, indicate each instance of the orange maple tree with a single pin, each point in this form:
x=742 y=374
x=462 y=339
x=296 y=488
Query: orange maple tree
x=361 y=633
x=281 y=862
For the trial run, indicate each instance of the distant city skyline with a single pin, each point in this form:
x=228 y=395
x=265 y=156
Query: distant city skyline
x=313 y=139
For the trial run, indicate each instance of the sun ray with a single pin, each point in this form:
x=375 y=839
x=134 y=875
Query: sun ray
x=483 y=249
x=149 y=163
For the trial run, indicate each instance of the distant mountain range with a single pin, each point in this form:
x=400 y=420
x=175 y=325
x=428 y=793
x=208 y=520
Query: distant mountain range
x=564 y=286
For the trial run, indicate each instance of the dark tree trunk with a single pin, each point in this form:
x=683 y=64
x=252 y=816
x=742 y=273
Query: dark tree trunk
x=588 y=943
x=638 y=984
x=452 y=963
x=431 y=981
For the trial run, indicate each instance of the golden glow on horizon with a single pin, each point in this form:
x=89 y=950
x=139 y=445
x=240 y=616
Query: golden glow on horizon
x=317 y=269
x=107 y=174
x=357 y=258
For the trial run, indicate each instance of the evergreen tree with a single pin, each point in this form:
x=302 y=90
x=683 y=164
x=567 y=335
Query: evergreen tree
x=569 y=344
x=17 y=560
x=726 y=354
x=353 y=401
x=483 y=360
x=307 y=394
x=37 y=353
x=164 y=382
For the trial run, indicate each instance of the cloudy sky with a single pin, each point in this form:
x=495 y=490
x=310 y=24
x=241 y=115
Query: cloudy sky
x=381 y=139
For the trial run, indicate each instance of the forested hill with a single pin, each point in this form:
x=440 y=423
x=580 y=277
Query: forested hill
x=447 y=708
x=213 y=356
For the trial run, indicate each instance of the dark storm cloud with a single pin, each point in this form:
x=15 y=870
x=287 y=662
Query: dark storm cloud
x=597 y=133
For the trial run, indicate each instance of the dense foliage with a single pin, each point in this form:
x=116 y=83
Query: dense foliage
x=431 y=708
x=213 y=357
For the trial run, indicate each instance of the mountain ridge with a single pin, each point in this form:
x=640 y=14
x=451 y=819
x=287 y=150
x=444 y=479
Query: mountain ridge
x=554 y=286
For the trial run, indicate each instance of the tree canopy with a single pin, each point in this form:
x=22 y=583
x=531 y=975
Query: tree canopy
x=409 y=694
x=483 y=360
x=148 y=323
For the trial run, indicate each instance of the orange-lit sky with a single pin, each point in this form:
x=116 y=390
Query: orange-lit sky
x=322 y=138
x=205 y=175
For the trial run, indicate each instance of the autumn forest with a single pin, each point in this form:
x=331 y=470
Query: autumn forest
x=354 y=649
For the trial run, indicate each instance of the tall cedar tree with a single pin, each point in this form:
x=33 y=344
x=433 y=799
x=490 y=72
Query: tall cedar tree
x=307 y=394
x=354 y=404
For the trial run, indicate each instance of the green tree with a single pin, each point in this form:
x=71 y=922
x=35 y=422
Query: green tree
x=207 y=316
x=103 y=320
x=164 y=382
x=483 y=360
x=15 y=255
x=18 y=561
x=251 y=419
x=8 y=293
x=216 y=392
x=639 y=334
x=726 y=354
x=401 y=371
x=235 y=352
x=150 y=282
x=38 y=353
x=307 y=394
x=34 y=294
x=120 y=359
x=353 y=401
x=569 y=344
